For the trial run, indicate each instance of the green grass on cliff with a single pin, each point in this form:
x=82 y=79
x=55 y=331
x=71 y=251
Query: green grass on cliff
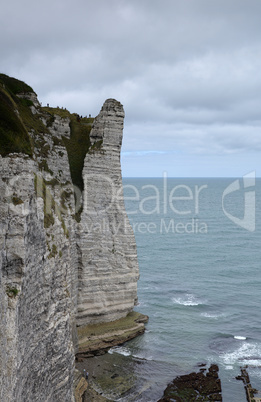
x=78 y=144
x=16 y=117
x=13 y=134
x=56 y=110
x=77 y=147
x=17 y=121
x=13 y=85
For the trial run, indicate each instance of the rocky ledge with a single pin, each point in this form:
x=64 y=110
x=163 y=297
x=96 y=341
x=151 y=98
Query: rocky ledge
x=195 y=387
x=97 y=339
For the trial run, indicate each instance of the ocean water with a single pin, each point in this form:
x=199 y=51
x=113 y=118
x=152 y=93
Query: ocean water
x=198 y=243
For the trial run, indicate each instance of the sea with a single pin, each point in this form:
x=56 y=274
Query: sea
x=199 y=251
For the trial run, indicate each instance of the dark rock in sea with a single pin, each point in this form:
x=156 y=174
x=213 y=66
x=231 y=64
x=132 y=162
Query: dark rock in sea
x=250 y=391
x=194 y=387
x=201 y=364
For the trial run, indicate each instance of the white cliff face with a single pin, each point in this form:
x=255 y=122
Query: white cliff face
x=56 y=273
x=109 y=273
x=37 y=282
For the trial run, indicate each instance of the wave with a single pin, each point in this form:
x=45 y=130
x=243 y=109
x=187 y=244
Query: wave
x=214 y=316
x=246 y=354
x=152 y=287
x=122 y=350
x=187 y=300
x=141 y=304
x=229 y=367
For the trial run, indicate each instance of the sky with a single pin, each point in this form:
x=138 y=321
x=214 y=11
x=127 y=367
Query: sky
x=188 y=73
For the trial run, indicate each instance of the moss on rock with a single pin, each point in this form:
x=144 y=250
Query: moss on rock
x=100 y=337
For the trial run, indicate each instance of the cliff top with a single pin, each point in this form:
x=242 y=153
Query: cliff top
x=24 y=124
x=14 y=86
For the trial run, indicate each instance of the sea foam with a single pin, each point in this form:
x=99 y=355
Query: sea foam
x=247 y=353
x=187 y=300
x=214 y=316
x=121 y=350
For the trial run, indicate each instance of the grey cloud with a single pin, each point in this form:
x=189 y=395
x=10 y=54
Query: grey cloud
x=187 y=72
x=203 y=139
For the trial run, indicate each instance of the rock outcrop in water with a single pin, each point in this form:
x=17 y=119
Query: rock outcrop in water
x=195 y=387
x=252 y=394
x=68 y=254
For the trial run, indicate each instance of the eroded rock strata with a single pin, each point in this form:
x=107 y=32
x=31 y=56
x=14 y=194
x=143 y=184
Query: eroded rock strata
x=68 y=254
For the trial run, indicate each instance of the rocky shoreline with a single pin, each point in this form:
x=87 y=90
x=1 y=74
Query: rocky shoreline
x=115 y=375
x=96 y=340
x=111 y=378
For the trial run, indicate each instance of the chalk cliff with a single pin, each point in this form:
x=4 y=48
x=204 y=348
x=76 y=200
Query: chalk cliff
x=109 y=271
x=68 y=254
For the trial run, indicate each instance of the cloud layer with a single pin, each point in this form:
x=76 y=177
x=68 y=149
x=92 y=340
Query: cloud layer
x=187 y=73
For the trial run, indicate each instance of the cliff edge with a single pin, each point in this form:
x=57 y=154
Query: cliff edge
x=68 y=254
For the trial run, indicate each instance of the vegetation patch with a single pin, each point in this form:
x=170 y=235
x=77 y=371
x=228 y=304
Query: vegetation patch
x=43 y=165
x=48 y=220
x=31 y=121
x=115 y=385
x=65 y=197
x=50 y=206
x=15 y=86
x=77 y=147
x=53 y=251
x=54 y=182
x=22 y=131
x=50 y=120
x=26 y=102
x=17 y=200
x=96 y=146
x=65 y=229
x=57 y=142
x=52 y=111
x=16 y=117
x=11 y=291
x=77 y=215
x=13 y=134
x=49 y=203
